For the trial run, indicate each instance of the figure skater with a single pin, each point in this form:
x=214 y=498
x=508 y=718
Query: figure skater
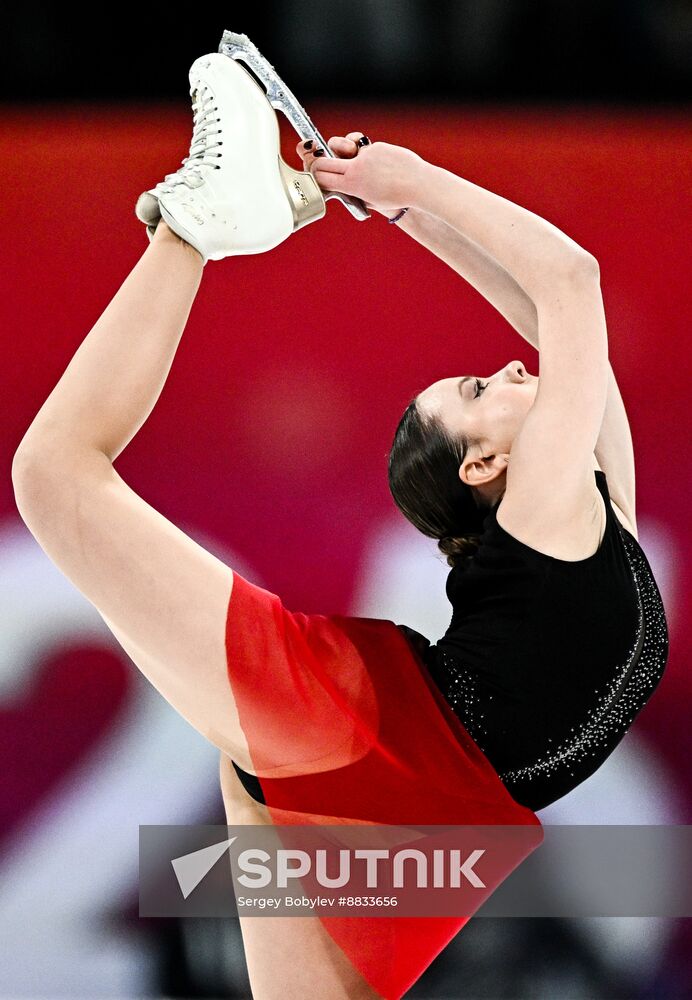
x=558 y=634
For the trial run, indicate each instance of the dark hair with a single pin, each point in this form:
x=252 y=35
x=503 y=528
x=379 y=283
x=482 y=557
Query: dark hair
x=424 y=481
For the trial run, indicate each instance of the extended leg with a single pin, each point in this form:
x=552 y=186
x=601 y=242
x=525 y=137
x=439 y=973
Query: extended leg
x=116 y=375
x=288 y=958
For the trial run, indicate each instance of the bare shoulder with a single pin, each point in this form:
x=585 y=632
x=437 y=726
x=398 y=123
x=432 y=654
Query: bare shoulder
x=569 y=533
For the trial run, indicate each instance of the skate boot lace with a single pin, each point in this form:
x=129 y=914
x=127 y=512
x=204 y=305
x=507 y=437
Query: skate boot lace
x=191 y=172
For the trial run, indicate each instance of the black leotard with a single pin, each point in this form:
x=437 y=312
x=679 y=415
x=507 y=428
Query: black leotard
x=547 y=662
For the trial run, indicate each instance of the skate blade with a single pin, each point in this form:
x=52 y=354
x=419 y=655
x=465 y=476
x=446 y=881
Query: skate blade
x=237 y=46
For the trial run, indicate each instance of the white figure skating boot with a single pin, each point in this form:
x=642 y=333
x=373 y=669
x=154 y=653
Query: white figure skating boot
x=237 y=46
x=234 y=194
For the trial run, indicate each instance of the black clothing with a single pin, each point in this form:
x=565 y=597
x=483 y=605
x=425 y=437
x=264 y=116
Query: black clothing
x=547 y=661
x=250 y=783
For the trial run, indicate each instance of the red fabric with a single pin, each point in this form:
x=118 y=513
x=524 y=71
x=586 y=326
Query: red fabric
x=318 y=692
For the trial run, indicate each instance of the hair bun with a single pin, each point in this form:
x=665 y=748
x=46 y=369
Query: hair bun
x=458 y=548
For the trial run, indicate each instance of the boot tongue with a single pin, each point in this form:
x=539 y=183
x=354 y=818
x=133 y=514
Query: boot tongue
x=202 y=140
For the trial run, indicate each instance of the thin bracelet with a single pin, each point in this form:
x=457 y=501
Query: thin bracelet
x=399 y=215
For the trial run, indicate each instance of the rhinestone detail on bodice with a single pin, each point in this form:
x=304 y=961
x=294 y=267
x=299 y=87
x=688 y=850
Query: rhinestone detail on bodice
x=614 y=709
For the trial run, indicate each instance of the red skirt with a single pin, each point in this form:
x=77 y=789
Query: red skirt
x=320 y=692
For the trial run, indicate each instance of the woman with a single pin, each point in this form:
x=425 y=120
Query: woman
x=335 y=719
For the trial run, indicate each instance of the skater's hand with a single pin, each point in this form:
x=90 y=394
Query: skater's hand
x=380 y=174
x=343 y=146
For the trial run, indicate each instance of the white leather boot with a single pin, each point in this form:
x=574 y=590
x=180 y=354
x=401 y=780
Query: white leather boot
x=234 y=194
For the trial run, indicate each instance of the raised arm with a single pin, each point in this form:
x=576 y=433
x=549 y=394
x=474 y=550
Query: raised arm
x=549 y=484
x=549 y=493
x=478 y=268
x=527 y=246
x=464 y=256
x=614 y=451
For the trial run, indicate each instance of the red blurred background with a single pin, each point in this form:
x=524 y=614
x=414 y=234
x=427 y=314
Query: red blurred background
x=269 y=440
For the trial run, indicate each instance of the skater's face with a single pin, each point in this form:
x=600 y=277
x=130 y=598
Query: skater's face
x=489 y=412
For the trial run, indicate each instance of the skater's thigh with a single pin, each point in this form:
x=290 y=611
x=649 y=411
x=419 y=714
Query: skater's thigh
x=277 y=690
x=288 y=958
x=205 y=637
x=163 y=595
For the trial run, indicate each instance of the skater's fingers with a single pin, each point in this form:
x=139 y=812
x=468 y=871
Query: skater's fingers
x=342 y=146
x=306 y=155
x=325 y=167
x=328 y=180
x=330 y=164
x=355 y=136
